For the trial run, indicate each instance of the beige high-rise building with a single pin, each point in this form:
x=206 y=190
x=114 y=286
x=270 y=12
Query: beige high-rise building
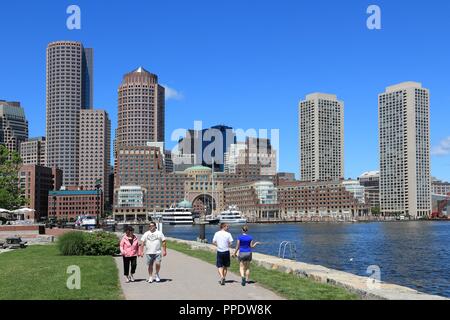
x=234 y=156
x=254 y=157
x=33 y=151
x=321 y=119
x=69 y=90
x=95 y=150
x=141 y=110
x=404 y=121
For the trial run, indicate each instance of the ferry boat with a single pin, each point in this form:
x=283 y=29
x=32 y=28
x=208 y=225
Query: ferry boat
x=178 y=215
x=231 y=216
x=211 y=219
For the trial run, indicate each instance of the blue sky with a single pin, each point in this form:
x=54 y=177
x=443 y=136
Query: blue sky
x=244 y=63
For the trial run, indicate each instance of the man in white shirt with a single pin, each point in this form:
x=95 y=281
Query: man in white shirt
x=151 y=242
x=223 y=240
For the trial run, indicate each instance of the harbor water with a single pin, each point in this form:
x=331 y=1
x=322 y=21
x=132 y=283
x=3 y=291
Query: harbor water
x=411 y=254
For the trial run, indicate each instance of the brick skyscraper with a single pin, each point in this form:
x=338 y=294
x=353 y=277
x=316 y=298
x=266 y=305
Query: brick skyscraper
x=141 y=110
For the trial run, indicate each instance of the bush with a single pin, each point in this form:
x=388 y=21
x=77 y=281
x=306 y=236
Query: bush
x=88 y=244
x=101 y=244
x=72 y=244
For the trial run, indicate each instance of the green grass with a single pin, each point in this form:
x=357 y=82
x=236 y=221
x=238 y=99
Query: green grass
x=40 y=273
x=286 y=285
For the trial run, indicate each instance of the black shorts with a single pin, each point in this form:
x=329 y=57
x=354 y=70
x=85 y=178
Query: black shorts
x=223 y=259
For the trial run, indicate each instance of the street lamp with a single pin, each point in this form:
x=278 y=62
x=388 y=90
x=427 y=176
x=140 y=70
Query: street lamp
x=54 y=208
x=98 y=185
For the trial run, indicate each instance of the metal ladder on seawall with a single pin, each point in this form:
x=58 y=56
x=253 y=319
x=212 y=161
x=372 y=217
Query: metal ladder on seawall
x=292 y=250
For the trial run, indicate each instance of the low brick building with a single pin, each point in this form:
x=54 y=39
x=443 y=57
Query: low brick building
x=35 y=182
x=256 y=200
x=69 y=204
x=325 y=199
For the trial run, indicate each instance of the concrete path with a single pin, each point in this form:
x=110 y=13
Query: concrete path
x=187 y=278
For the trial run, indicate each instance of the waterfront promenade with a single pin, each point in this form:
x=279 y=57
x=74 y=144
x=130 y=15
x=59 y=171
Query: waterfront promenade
x=187 y=278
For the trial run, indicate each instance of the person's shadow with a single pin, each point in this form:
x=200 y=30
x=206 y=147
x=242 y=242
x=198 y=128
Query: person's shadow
x=231 y=281
x=145 y=280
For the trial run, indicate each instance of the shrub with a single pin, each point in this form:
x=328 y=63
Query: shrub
x=72 y=244
x=88 y=244
x=101 y=244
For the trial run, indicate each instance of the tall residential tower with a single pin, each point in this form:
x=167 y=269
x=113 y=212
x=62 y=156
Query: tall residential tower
x=405 y=180
x=95 y=150
x=321 y=119
x=69 y=90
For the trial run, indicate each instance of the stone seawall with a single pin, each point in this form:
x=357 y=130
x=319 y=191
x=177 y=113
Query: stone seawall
x=362 y=286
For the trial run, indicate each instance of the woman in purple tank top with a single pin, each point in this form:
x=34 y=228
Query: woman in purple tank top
x=244 y=246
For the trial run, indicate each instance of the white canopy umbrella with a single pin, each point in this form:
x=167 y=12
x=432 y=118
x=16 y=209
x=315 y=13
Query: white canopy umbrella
x=21 y=213
x=6 y=214
x=24 y=211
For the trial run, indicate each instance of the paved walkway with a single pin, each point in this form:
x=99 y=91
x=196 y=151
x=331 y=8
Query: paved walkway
x=187 y=278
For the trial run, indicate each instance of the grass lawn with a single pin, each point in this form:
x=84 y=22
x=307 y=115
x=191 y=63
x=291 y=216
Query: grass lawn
x=39 y=273
x=286 y=285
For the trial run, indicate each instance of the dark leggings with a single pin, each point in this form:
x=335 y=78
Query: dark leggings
x=126 y=265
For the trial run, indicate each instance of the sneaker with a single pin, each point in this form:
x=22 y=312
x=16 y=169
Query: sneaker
x=131 y=278
x=222 y=282
x=243 y=282
x=157 y=279
x=150 y=280
x=127 y=279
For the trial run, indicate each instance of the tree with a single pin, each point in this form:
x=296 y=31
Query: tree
x=10 y=196
x=376 y=211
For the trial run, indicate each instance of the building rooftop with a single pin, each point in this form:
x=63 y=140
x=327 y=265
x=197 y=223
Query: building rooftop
x=140 y=70
x=72 y=193
x=142 y=74
x=403 y=85
x=318 y=95
x=370 y=174
x=198 y=168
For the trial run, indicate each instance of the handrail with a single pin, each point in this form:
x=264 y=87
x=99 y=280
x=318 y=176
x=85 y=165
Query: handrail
x=292 y=250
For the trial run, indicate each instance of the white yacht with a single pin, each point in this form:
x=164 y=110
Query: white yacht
x=178 y=215
x=232 y=216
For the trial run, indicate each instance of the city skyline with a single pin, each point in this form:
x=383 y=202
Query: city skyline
x=360 y=122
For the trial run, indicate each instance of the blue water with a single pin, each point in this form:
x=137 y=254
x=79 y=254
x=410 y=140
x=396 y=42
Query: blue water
x=411 y=254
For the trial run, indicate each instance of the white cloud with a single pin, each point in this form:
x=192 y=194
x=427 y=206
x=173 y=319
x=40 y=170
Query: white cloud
x=172 y=94
x=442 y=149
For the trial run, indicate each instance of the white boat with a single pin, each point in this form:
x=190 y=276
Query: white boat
x=178 y=215
x=231 y=216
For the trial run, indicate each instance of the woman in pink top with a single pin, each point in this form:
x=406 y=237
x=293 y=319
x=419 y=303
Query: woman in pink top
x=129 y=248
